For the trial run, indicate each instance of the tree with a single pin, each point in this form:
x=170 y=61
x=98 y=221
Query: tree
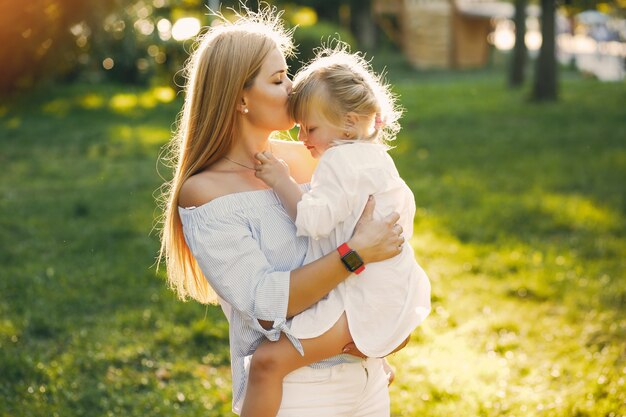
x=518 y=60
x=545 y=86
x=362 y=23
x=36 y=41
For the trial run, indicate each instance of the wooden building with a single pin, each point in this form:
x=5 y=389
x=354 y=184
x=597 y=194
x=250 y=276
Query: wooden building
x=441 y=33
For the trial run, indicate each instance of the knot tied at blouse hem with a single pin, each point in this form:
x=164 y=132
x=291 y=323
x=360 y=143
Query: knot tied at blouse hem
x=282 y=327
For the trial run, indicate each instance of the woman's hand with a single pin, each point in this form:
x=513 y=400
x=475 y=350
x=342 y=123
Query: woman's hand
x=376 y=240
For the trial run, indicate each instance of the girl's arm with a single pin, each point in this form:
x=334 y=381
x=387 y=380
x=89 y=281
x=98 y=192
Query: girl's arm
x=275 y=173
x=339 y=190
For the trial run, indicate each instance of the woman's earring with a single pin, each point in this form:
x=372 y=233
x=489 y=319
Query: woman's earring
x=245 y=110
x=346 y=134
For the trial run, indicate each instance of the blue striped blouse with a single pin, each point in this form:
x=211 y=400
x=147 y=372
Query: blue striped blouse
x=246 y=246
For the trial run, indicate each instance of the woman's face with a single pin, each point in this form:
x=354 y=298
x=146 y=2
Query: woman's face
x=266 y=99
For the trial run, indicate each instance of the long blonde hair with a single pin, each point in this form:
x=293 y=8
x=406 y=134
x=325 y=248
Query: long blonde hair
x=225 y=62
x=337 y=82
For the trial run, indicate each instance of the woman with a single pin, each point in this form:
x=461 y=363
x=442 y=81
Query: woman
x=225 y=231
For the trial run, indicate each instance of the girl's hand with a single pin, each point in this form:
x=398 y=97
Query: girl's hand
x=389 y=372
x=270 y=169
x=376 y=240
x=351 y=349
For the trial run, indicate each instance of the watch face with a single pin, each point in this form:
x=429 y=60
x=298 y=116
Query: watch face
x=352 y=260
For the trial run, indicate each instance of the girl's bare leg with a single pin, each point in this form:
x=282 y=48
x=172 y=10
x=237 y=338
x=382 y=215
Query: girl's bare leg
x=272 y=361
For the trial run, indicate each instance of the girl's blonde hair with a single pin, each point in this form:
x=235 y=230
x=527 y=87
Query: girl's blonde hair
x=337 y=82
x=225 y=62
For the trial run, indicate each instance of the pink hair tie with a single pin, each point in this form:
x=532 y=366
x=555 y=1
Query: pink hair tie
x=378 y=122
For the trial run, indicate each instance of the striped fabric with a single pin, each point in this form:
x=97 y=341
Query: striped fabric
x=246 y=245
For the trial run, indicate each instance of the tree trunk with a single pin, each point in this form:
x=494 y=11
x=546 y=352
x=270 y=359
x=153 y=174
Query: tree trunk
x=518 y=60
x=545 y=88
x=362 y=23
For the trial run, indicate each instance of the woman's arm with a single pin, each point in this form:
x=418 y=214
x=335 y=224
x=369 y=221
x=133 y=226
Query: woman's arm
x=374 y=240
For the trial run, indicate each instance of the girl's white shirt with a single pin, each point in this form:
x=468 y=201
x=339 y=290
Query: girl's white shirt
x=388 y=299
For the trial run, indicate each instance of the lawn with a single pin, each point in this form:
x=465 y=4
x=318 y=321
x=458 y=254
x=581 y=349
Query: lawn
x=520 y=225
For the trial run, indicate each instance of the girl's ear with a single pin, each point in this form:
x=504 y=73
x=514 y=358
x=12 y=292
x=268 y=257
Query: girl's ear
x=352 y=119
x=355 y=126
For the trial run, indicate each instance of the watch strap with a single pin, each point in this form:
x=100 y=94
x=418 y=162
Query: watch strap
x=344 y=249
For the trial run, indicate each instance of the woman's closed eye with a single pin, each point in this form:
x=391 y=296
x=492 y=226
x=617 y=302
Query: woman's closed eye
x=280 y=80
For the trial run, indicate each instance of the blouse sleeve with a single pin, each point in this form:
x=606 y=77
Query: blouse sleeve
x=335 y=192
x=235 y=266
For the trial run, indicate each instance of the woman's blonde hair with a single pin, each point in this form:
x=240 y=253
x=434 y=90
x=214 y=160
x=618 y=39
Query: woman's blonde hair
x=224 y=63
x=337 y=82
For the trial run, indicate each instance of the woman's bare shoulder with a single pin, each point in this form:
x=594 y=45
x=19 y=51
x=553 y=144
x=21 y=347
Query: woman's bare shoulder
x=297 y=156
x=200 y=189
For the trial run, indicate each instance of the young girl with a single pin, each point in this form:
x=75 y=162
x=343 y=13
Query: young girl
x=346 y=114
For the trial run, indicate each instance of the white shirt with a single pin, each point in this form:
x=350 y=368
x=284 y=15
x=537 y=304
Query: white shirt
x=388 y=299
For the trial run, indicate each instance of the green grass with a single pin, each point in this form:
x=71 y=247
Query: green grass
x=520 y=225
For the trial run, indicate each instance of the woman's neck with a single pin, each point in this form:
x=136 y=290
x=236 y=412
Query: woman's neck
x=246 y=146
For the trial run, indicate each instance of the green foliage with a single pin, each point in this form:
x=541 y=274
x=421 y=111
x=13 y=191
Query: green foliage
x=93 y=40
x=124 y=41
x=308 y=38
x=520 y=226
x=36 y=40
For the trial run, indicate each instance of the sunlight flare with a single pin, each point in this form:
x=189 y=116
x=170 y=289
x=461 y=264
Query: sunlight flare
x=185 y=28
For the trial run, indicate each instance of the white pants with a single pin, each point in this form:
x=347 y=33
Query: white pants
x=356 y=389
